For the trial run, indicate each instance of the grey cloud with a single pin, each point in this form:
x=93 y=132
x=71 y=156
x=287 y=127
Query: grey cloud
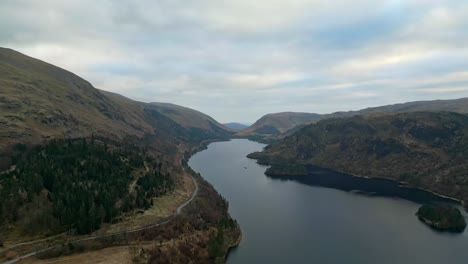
x=250 y=58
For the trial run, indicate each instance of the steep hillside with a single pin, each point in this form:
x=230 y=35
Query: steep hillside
x=75 y=160
x=195 y=121
x=235 y=126
x=275 y=124
x=428 y=150
x=39 y=101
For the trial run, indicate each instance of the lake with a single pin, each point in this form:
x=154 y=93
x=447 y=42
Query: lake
x=315 y=220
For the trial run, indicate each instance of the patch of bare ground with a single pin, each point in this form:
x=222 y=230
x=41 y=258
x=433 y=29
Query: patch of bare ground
x=135 y=252
x=185 y=248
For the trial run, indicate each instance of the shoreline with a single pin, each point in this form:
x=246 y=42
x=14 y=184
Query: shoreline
x=234 y=245
x=187 y=155
x=183 y=163
x=401 y=184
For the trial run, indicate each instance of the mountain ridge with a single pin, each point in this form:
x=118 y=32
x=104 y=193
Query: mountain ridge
x=40 y=101
x=271 y=127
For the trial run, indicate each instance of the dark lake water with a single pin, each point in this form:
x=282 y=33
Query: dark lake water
x=303 y=220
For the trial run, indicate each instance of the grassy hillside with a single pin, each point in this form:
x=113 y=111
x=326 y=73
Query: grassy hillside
x=39 y=101
x=424 y=149
x=187 y=117
x=192 y=120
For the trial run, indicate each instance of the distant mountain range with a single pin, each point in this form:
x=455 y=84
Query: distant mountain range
x=236 y=126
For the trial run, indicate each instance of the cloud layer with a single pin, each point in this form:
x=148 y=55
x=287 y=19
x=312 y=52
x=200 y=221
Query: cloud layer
x=237 y=60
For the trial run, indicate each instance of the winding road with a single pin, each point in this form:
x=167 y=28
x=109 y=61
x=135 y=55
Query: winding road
x=163 y=222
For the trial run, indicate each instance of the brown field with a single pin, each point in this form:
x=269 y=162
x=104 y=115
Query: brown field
x=111 y=255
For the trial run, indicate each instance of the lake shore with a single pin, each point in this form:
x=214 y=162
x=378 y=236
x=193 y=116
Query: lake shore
x=402 y=184
x=291 y=221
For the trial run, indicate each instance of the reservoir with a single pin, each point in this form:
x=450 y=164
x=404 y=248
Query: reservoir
x=339 y=219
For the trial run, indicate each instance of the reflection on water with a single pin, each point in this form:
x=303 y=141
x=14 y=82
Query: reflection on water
x=296 y=220
x=368 y=186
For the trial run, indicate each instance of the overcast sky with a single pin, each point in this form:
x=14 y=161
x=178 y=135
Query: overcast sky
x=238 y=60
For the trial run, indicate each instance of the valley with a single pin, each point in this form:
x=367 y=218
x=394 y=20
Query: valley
x=211 y=132
x=87 y=173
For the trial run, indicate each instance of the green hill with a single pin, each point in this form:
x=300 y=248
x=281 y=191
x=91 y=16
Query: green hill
x=424 y=149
